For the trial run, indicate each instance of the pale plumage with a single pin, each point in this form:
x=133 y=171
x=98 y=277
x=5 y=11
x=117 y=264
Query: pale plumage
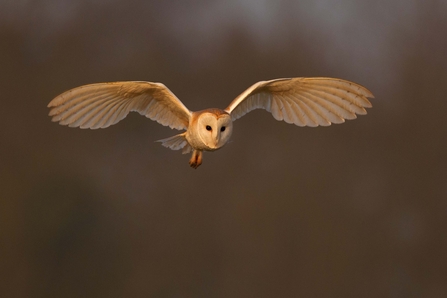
x=301 y=101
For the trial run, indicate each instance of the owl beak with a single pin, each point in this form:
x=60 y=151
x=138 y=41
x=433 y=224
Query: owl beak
x=217 y=139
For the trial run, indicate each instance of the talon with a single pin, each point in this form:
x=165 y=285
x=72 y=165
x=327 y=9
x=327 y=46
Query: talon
x=193 y=164
x=196 y=159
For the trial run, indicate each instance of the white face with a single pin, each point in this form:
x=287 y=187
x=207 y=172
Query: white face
x=214 y=130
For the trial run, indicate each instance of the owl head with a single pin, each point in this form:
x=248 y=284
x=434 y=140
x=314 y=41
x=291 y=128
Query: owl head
x=214 y=128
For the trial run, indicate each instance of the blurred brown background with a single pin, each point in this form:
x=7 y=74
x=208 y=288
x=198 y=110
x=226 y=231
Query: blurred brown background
x=351 y=210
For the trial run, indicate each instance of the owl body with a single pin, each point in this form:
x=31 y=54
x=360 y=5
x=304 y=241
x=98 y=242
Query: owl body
x=300 y=101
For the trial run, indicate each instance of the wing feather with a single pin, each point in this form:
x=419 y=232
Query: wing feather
x=352 y=89
x=106 y=114
x=91 y=117
x=304 y=101
x=65 y=112
x=327 y=106
x=276 y=110
x=299 y=120
x=343 y=102
x=101 y=105
x=88 y=116
x=336 y=107
x=289 y=115
x=319 y=112
x=307 y=113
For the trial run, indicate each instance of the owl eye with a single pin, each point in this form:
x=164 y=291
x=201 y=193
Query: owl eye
x=208 y=128
x=222 y=128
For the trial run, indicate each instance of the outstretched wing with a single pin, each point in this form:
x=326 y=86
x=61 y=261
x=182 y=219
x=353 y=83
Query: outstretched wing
x=104 y=104
x=304 y=101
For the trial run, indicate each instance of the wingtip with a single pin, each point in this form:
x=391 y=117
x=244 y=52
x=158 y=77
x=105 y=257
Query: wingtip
x=51 y=104
x=367 y=93
x=54 y=120
x=367 y=103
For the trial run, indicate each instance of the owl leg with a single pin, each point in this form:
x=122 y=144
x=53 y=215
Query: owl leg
x=196 y=159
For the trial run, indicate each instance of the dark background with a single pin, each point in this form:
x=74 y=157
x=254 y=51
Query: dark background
x=351 y=210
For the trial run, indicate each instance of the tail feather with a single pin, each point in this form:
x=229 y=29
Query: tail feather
x=177 y=142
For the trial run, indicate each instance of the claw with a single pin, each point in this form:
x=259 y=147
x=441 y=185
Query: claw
x=196 y=159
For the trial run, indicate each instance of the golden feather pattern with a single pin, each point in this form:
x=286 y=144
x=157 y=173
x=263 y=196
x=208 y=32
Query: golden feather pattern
x=300 y=101
x=304 y=101
x=101 y=105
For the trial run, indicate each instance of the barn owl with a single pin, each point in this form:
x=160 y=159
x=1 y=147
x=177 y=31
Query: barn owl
x=301 y=101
